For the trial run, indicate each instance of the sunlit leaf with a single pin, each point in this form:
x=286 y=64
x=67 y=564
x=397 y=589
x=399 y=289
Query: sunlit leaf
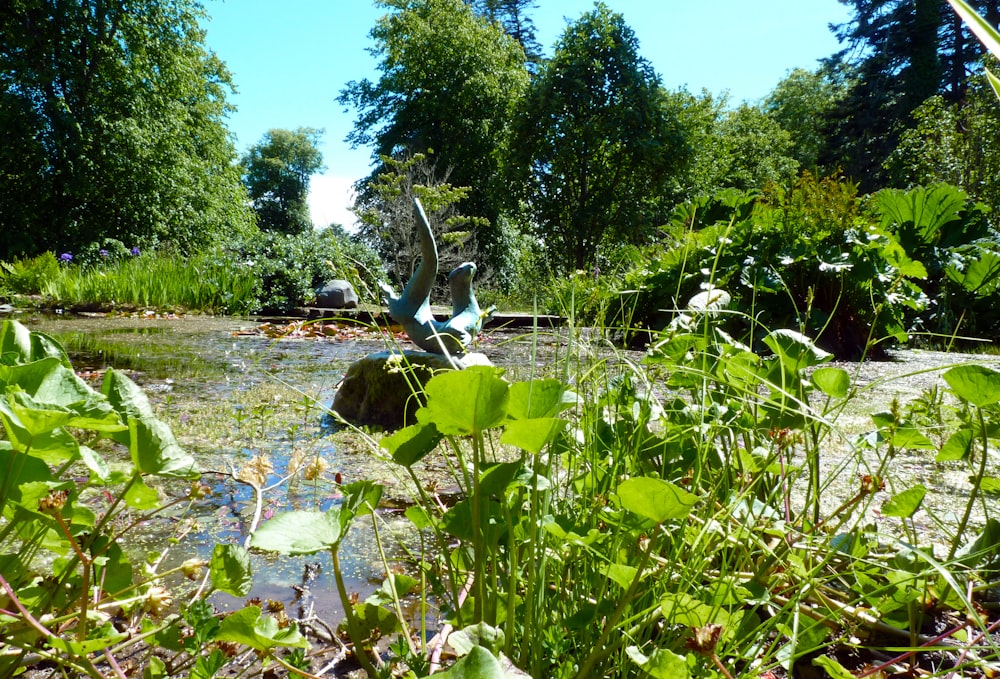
x=247 y=626
x=621 y=574
x=833 y=669
x=300 y=532
x=794 y=350
x=660 y=664
x=905 y=504
x=957 y=447
x=411 y=444
x=140 y=496
x=655 y=499
x=477 y=664
x=230 y=570
x=977 y=384
x=834 y=382
x=462 y=402
x=532 y=434
x=538 y=398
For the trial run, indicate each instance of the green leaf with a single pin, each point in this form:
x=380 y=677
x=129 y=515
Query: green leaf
x=463 y=402
x=156 y=669
x=834 y=382
x=532 y=434
x=905 y=504
x=230 y=570
x=300 y=532
x=795 y=351
x=411 y=444
x=661 y=663
x=655 y=499
x=987 y=34
x=247 y=626
x=833 y=669
x=621 y=574
x=496 y=477
x=481 y=634
x=477 y=664
x=155 y=450
x=987 y=484
x=977 y=384
x=538 y=398
x=140 y=496
x=957 y=447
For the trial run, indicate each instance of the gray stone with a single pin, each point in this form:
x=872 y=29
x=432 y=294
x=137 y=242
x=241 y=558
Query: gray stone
x=379 y=389
x=336 y=294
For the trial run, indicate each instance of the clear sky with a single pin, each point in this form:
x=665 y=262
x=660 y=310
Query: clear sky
x=290 y=59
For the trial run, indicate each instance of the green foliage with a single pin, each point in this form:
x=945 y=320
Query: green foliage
x=27 y=276
x=853 y=272
x=387 y=220
x=124 y=139
x=276 y=171
x=659 y=528
x=288 y=268
x=596 y=142
x=953 y=143
x=449 y=82
x=752 y=150
x=801 y=104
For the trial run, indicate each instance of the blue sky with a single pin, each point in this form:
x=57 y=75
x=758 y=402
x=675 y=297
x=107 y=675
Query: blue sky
x=290 y=59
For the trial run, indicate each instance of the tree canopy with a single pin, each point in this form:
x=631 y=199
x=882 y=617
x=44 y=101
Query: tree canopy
x=596 y=141
x=113 y=119
x=450 y=82
x=276 y=171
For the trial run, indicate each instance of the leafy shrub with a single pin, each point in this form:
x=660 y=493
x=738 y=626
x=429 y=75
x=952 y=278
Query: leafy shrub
x=853 y=272
x=27 y=276
x=289 y=267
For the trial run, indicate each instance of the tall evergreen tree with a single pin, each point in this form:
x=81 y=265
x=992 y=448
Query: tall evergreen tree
x=515 y=17
x=113 y=119
x=897 y=54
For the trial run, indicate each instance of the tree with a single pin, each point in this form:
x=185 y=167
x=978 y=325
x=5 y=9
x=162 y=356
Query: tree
x=276 y=171
x=596 y=143
x=802 y=104
x=513 y=16
x=952 y=143
x=113 y=118
x=899 y=53
x=753 y=149
x=450 y=82
x=387 y=217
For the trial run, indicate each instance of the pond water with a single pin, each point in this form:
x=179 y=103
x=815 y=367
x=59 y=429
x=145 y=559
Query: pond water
x=235 y=395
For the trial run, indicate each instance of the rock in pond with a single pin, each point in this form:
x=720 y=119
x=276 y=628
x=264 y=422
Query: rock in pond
x=378 y=389
x=336 y=294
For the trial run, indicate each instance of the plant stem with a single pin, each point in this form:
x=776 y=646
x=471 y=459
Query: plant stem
x=360 y=644
x=974 y=493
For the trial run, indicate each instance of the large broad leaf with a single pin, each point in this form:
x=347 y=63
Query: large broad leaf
x=905 y=504
x=919 y=215
x=660 y=664
x=795 y=351
x=979 y=274
x=20 y=345
x=463 y=402
x=957 y=447
x=477 y=664
x=247 y=626
x=834 y=382
x=411 y=444
x=300 y=532
x=151 y=442
x=539 y=398
x=28 y=432
x=532 y=434
x=977 y=384
x=230 y=570
x=655 y=499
